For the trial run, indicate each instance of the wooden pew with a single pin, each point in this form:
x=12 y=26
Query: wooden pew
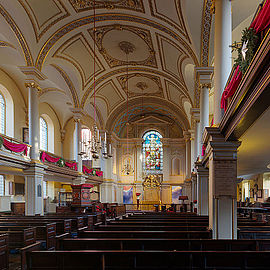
x=44 y=231
x=4 y=254
x=147 y=234
x=162 y=244
x=147 y=227
x=22 y=239
x=159 y=260
x=158 y=223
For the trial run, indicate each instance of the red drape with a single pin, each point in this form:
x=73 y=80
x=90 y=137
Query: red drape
x=262 y=19
x=99 y=173
x=203 y=150
x=87 y=170
x=231 y=88
x=15 y=147
x=71 y=165
x=45 y=156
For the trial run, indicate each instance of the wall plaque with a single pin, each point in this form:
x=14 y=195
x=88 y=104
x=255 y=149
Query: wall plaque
x=225 y=176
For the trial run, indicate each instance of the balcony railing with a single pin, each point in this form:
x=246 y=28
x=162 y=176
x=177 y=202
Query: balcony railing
x=50 y=158
x=14 y=146
x=233 y=85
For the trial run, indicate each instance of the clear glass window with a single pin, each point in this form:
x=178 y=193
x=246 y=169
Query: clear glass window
x=43 y=134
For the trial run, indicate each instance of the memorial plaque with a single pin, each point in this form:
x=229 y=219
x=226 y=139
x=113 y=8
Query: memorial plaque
x=225 y=178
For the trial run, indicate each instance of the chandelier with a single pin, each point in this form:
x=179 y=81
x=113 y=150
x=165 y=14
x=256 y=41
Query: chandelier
x=92 y=144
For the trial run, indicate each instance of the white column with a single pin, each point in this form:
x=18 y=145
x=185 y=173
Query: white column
x=33 y=112
x=194 y=186
x=202 y=189
x=222 y=52
x=204 y=74
x=195 y=113
x=78 y=131
x=222 y=184
x=188 y=159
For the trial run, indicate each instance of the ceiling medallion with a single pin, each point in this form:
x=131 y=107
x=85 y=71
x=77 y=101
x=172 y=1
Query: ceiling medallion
x=142 y=85
x=80 y=5
x=126 y=47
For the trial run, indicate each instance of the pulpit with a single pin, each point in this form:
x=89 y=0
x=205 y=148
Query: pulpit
x=81 y=195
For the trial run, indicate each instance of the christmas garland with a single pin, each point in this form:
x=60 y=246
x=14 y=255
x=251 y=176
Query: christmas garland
x=247 y=49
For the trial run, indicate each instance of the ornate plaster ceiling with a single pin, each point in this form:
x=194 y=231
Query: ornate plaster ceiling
x=57 y=37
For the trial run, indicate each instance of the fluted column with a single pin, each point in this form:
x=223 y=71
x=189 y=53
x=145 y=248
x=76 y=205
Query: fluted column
x=222 y=52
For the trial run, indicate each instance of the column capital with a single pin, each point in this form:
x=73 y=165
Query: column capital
x=201 y=170
x=187 y=136
x=205 y=75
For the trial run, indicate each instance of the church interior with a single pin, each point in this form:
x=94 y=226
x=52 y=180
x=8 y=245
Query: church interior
x=134 y=134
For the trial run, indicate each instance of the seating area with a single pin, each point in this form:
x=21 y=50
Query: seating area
x=153 y=241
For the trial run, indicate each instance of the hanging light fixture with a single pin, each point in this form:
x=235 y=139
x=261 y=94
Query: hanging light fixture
x=127 y=48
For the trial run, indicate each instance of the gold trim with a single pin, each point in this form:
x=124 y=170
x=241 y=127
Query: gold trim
x=23 y=44
x=32 y=17
x=69 y=84
x=74 y=61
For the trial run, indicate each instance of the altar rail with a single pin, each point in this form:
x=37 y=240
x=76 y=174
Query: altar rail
x=158 y=207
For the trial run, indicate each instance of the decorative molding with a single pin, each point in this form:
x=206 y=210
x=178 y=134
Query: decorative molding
x=145 y=35
x=107 y=17
x=24 y=46
x=59 y=53
x=70 y=85
x=131 y=69
x=83 y=5
x=181 y=28
x=6 y=44
x=206 y=31
x=33 y=18
x=33 y=73
x=123 y=80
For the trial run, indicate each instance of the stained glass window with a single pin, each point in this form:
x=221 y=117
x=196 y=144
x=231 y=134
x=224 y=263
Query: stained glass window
x=43 y=134
x=152 y=152
x=2 y=114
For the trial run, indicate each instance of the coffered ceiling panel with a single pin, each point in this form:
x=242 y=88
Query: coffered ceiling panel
x=169 y=11
x=122 y=45
x=136 y=5
x=77 y=51
x=44 y=14
x=174 y=94
x=141 y=84
x=110 y=94
x=172 y=59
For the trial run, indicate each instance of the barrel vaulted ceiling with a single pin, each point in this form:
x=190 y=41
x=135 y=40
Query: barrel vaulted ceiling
x=166 y=40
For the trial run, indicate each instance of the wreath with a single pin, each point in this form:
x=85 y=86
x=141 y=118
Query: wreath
x=248 y=47
x=61 y=162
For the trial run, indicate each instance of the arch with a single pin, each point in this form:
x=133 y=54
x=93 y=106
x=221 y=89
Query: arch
x=43 y=134
x=49 y=128
x=176 y=166
x=152 y=149
x=8 y=110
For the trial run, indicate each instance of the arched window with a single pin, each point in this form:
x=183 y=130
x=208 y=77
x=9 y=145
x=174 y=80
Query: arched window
x=43 y=133
x=152 y=152
x=2 y=114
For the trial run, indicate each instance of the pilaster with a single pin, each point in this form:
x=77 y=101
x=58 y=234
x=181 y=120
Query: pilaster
x=222 y=156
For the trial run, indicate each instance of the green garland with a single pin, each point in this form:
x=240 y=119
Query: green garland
x=61 y=162
x=249 y=36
